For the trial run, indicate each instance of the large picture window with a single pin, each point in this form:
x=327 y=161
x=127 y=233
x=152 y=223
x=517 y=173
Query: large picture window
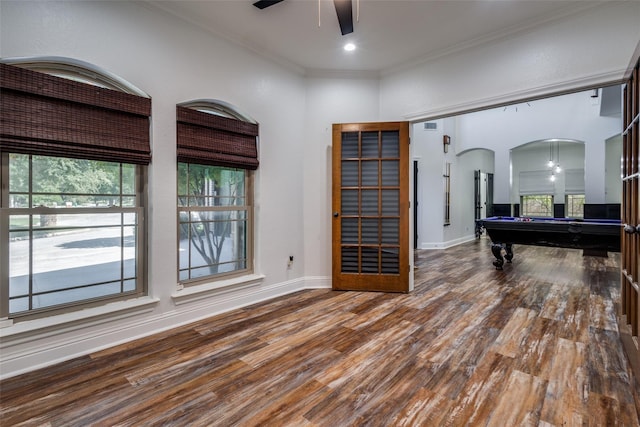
x=214 y=218
x=73 y=231
x=217 y=151
x=73 y=154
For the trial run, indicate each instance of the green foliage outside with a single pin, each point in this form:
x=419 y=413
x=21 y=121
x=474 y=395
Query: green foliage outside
x=541 y=205
x=67 y=182
x=59 y=182
x=575 y=205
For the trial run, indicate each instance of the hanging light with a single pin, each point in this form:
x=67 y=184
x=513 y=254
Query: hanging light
x=558 y=168
x=551 y=164
x=552 y=178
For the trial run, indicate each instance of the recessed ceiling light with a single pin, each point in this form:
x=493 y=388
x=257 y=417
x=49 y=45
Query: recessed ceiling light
x=349 y=47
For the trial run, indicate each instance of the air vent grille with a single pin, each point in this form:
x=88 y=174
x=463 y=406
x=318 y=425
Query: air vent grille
x=430 y=126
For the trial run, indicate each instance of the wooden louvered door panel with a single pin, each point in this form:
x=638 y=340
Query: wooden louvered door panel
x=629 y=319
x=371 y=207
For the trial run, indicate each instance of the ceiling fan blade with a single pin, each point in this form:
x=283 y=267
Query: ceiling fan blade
x=261 y=4
x=345 y=15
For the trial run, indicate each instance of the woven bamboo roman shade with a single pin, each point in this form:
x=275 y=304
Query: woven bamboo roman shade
x=48 y=115
x=209 y=139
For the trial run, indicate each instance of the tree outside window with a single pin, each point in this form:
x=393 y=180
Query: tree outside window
x=213 y=221
x=575 y=205
x=537 y=205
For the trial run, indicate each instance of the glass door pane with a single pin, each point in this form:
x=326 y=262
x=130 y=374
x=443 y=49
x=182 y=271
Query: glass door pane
x=370 y=180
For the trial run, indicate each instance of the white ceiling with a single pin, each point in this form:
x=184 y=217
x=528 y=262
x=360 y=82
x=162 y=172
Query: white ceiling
x=388 y=34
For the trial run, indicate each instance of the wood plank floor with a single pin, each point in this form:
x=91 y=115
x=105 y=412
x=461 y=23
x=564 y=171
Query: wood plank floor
x=535 y=344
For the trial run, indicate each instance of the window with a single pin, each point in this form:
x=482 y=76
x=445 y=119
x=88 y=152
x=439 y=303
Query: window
x=575 y=205
x=214 y=218
x=537 y=205
x=574 y=190
x=73 y=231
x=73 y=166
x=217 y=152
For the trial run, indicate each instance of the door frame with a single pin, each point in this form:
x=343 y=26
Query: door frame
x=403 y=281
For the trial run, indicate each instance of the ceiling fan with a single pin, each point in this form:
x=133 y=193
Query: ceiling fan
x=343 y=10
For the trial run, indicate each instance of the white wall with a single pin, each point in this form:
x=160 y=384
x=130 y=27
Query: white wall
x=330 y=99
x=589 y=49
x=172 y=62
x=468 y=162
x=427 y=149
x=534 y=157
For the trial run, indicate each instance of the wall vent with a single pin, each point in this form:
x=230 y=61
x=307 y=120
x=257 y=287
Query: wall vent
x=430 y=126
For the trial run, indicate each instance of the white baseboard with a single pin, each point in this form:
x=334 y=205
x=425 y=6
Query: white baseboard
x=317 y=282
x=447 y=244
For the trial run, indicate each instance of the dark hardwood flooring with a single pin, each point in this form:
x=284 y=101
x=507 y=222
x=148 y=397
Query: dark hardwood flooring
x=535 y=344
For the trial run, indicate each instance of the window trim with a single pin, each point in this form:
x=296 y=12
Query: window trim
x=219 y=108
x=76 y=70
x=199 y=291
x=78 y=319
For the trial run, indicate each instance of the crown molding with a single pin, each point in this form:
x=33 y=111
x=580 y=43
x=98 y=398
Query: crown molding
x=561 y=88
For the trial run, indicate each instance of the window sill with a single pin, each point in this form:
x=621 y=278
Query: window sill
x=78 y=319
x=197 y=292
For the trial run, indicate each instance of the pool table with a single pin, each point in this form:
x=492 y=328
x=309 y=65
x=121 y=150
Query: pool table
x=595 y=237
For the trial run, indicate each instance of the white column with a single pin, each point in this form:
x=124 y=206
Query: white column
x=502 y=177
x=594 y=170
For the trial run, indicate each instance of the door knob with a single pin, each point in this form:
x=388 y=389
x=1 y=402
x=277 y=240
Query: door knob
x=336 y=214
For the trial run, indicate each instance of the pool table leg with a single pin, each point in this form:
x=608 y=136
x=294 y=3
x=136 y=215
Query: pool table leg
x=509 y=252
x=496 y=250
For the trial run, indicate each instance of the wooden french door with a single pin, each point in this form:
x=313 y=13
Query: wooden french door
x=489 y=202
x=629 y=320
x=371 y=207
x=483 y=194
